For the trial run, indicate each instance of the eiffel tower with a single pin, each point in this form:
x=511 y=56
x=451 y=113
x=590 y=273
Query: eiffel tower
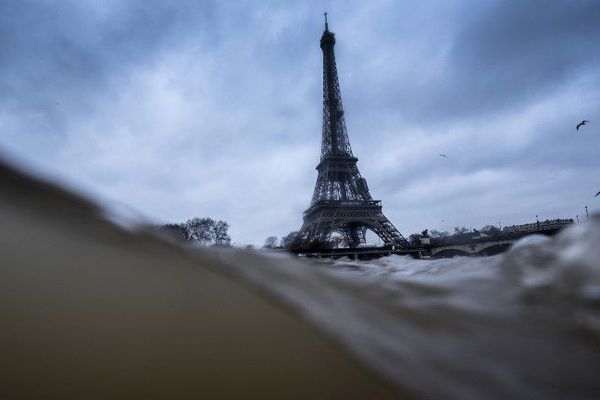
x=341 y=201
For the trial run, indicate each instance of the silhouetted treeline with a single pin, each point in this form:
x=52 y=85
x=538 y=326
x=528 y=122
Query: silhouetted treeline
x=201 y=231
x=460 y=234
x=294 y=242
x=270 y=242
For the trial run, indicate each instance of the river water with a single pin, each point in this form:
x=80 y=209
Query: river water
x=85 y=303
x=521 y=325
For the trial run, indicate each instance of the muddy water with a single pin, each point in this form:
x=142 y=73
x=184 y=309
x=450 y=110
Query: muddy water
x=521 y=325
x=90 y=310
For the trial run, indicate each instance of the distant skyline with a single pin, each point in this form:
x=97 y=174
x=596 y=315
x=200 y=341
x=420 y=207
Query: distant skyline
x=184 y=108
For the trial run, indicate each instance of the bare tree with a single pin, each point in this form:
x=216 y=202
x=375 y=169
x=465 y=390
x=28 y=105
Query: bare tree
x=415 y=239
x=437 y=234
x=290 y=240
x=270 y=242
x=200 y=230
x=219 y=234
x=175 y=231
x=203 y=231
x=460 y=230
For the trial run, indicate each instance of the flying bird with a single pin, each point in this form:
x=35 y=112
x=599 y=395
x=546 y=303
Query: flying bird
x=579 y=125
x=443 y=155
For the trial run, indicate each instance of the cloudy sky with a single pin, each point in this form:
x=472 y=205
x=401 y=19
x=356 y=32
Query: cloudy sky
x=174 y=109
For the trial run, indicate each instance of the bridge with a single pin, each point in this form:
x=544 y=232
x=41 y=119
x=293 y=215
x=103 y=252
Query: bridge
x=487 y=248
x=491 y=243
x=467 y=244
x=360 y=253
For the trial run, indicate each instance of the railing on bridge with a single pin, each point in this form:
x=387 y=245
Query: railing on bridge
x=541 y=226
x=512 y=232
x=428 y=245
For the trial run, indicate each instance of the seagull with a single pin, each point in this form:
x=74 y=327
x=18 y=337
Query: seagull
x=597 y=194
x=443 y=155
x=581 y=124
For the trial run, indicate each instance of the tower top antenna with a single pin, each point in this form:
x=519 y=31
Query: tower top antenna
x=326 y=26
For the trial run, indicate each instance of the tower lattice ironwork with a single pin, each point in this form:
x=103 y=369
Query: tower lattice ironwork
x=341 y=201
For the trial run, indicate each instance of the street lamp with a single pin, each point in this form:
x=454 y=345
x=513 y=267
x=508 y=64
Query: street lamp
x=586 y=213
x=577 y=216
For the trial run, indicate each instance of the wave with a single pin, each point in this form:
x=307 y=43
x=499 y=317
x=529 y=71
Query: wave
x=520 y=325
x=90 y=307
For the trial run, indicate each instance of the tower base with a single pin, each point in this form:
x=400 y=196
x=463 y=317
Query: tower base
x=351 y=219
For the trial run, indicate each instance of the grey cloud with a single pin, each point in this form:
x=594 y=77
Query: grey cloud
x=518 y=51
x=476 y=57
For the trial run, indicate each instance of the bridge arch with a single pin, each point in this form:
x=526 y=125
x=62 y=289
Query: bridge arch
x=451 y=252
x=469 y=249
x=493 y=249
